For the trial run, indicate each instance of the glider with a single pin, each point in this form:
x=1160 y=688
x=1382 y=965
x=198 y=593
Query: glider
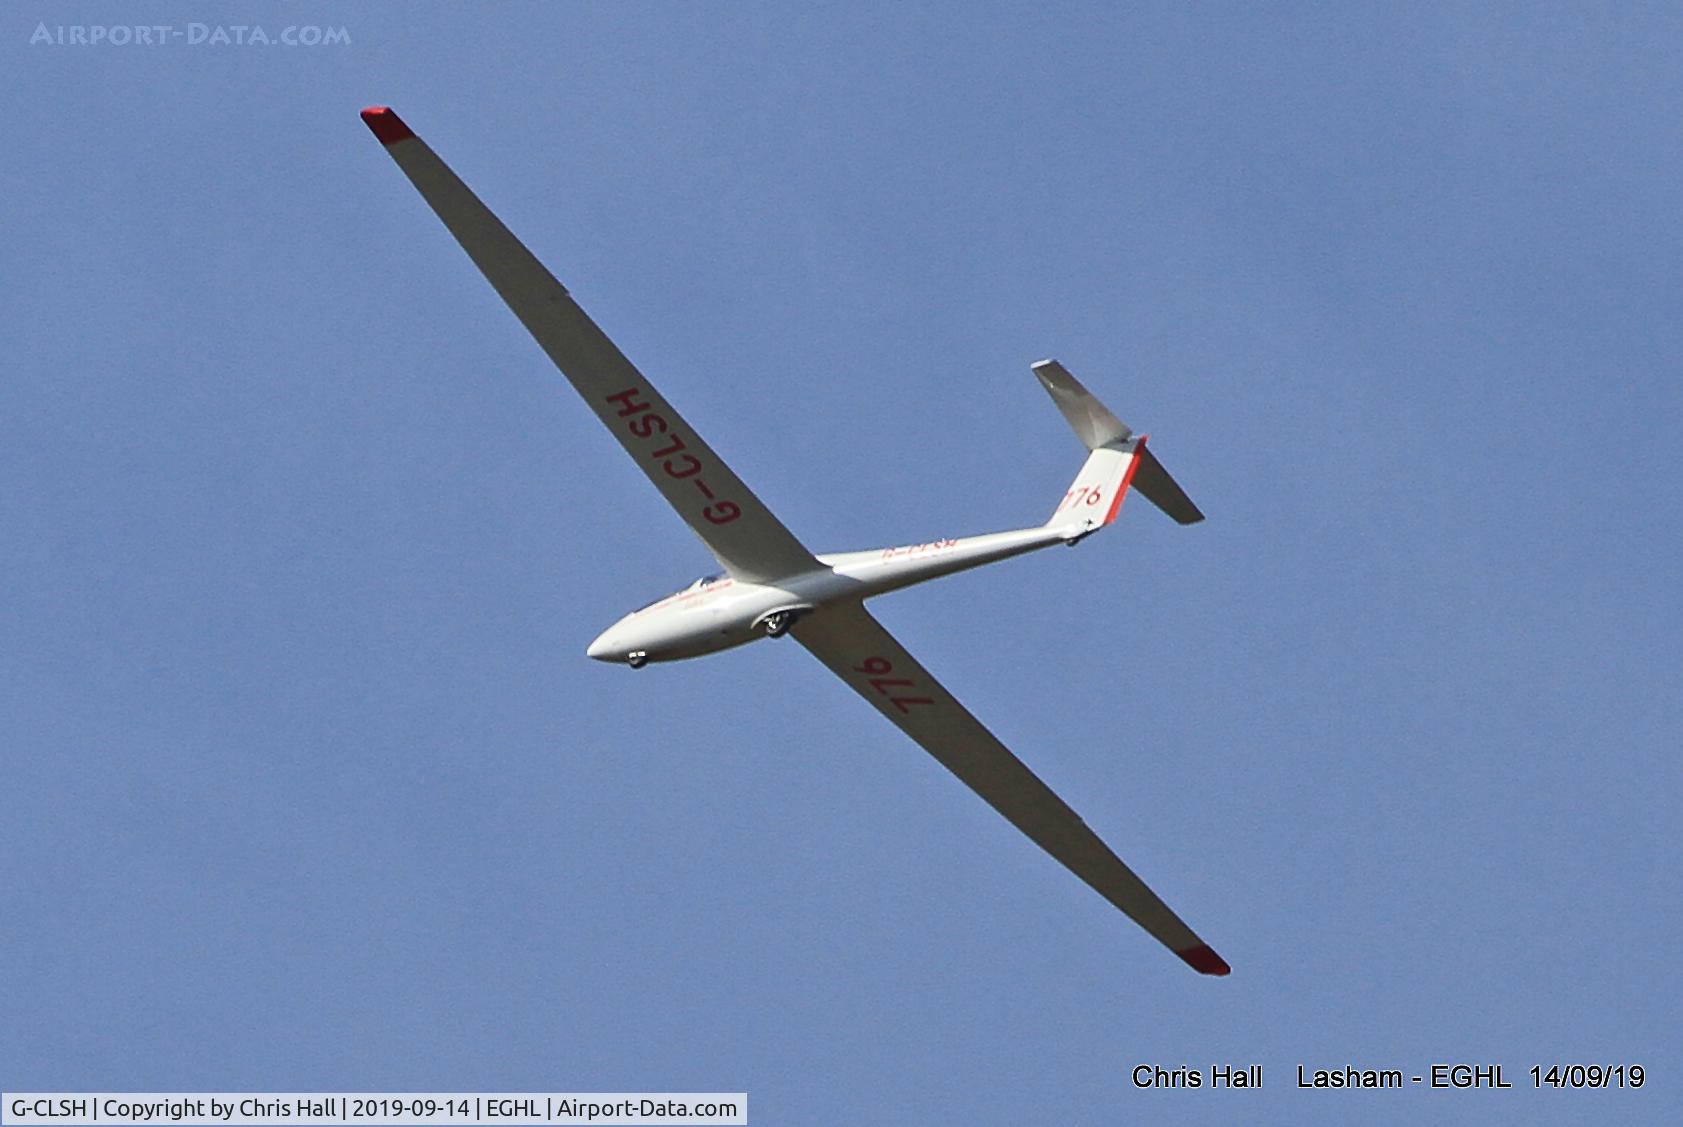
x=771 y=585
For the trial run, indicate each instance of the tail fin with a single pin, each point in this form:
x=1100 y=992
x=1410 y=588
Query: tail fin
x=1095 y=496
x=1118 y=459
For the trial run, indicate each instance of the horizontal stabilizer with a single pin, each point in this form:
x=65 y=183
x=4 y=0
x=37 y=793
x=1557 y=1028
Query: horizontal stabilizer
x=1092 y=420
x=1153 y=482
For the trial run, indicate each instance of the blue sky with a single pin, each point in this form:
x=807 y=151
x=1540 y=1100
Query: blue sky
x=309 y=784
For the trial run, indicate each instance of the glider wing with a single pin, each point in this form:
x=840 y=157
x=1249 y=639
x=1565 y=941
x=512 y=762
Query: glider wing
x=744 y=536
x=858 y=650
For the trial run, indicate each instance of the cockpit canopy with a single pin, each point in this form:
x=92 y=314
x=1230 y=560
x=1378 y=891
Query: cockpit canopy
x=704 y=581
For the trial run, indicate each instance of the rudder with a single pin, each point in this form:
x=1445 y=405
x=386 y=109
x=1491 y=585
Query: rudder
x=1094 y=498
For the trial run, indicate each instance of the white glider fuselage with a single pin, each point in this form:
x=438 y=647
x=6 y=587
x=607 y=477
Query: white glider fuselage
x=717 y=612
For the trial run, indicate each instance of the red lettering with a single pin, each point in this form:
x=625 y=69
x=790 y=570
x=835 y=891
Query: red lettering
x=677 y=445
x=624 y=398
x=874 y=668
x=647 y=425
x=694 y=467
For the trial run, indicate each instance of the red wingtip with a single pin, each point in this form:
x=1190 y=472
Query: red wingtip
x=1205 y=961
x=386 y=125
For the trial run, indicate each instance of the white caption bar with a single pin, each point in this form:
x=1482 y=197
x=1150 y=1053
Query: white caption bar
x=309 y=1109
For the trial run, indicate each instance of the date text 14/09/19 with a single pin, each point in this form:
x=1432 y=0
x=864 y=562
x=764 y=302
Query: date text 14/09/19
x=1588 y=1076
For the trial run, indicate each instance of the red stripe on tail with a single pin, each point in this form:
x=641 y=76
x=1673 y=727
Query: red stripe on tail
x=1122 y=490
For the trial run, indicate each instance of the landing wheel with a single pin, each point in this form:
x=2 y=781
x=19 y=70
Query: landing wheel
x=778 y=623
x=637 y=659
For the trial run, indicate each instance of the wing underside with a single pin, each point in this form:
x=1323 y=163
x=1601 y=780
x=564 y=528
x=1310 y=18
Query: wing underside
x=858 y=650
x=746 y=538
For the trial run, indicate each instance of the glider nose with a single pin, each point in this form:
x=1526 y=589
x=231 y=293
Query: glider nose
x=603 y=648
